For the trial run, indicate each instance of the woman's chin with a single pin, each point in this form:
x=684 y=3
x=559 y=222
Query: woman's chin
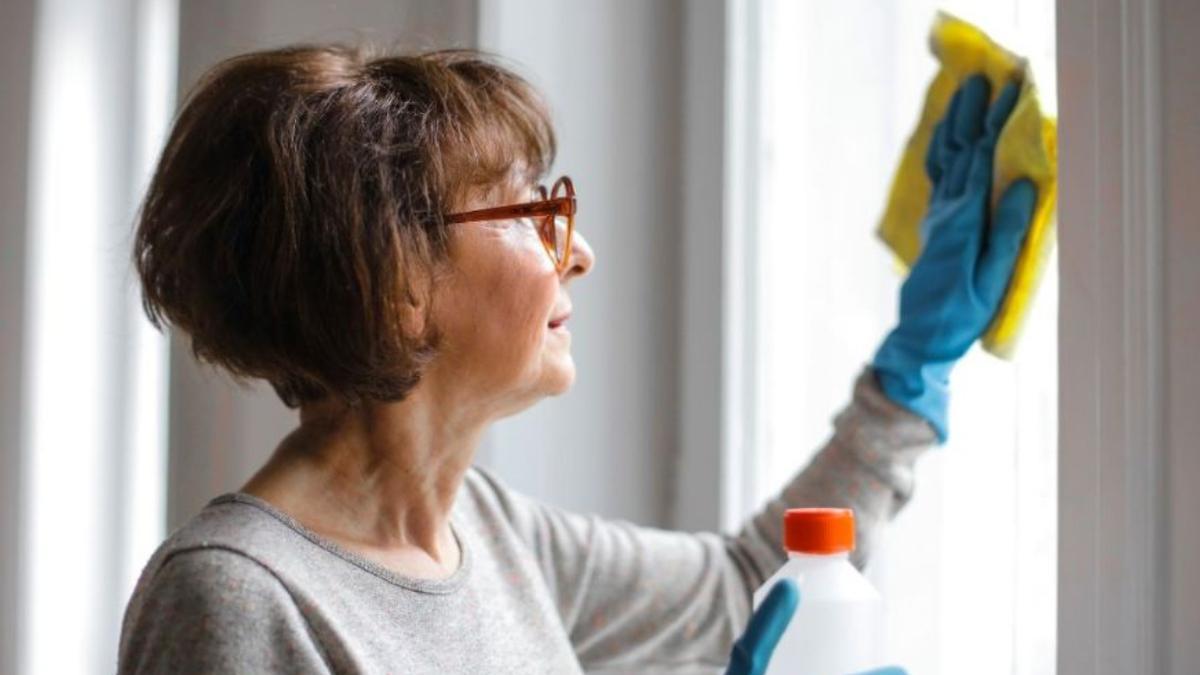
x=559 y=375
x=558 y=366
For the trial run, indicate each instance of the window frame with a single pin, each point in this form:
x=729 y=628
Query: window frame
x=1112 y=506
x=1113 y=605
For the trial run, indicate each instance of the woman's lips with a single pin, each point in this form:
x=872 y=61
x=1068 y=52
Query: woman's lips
x=558 y=322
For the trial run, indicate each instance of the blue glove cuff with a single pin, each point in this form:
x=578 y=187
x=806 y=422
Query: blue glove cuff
x=921 y=388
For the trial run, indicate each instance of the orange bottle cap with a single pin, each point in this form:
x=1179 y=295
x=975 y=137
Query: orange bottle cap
x=818 y=531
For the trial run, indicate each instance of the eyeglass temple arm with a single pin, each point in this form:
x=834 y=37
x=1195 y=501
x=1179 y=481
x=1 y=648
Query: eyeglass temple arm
x=564 y=206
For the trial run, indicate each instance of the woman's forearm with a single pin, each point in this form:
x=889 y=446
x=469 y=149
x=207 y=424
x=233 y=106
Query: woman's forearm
x=867 y=465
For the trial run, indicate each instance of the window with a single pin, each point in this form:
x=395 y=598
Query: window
x=968 y=569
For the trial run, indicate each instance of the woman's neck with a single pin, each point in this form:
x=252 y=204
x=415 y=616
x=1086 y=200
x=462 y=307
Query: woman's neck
x=378 y=479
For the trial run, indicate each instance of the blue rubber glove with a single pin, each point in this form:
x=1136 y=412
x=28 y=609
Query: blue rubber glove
x=959 y=279
x=752 y=652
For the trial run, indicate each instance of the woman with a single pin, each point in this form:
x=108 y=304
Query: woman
x=366 y=234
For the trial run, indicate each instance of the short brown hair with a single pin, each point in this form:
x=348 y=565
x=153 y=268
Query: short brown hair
x=301 y=196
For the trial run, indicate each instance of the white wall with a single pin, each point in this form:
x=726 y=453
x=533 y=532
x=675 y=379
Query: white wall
x=610 y=70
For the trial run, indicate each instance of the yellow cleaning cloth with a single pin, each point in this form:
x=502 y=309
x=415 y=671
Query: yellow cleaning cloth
x=1026 y=148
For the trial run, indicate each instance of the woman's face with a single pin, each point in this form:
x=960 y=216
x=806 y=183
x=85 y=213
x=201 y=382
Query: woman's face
x=500 y=313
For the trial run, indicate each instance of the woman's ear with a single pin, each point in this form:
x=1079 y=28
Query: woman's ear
x=414 y=310
x=413 y=319
x=416 y=307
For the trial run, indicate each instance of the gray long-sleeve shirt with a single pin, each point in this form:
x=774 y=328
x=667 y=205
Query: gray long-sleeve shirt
x=244 y=588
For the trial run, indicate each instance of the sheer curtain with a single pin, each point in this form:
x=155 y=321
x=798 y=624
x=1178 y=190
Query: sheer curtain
x=92 y=416
x=967 y=569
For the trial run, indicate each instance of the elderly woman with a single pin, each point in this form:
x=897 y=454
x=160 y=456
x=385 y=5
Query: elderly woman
x=368 y=235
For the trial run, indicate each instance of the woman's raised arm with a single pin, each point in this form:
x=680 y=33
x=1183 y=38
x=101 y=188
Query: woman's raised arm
x=631 y=595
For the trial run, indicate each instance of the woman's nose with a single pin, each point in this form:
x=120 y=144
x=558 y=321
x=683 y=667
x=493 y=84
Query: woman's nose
x=582 y=258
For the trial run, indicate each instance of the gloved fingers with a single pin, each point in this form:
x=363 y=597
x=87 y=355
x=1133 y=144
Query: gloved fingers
x=981 y=164
x=941 y=149
x=1003 y=244
x=972 y=110
x=998 y=114
x=945 y=148
x=955 y=179
x=936 y=156
x=752 y=652
x=966 y=131
x=948 y=119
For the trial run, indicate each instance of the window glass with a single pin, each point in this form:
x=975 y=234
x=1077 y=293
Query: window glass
x=967 y=569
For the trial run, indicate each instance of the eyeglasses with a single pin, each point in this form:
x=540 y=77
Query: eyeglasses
x=554 y=211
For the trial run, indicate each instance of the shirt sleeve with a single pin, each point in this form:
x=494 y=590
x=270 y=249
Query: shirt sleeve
x=213 y=610
x=672 y=601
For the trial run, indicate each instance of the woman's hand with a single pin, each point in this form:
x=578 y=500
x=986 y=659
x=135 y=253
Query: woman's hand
x=959 y=279
x=752 y=652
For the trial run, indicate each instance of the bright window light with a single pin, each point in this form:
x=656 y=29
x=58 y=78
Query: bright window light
x=93 y=501
x=968 y=568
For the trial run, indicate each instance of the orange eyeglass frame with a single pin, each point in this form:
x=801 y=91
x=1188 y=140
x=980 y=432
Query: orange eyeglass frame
x=558 y=203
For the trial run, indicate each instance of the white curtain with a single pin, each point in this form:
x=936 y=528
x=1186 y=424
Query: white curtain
x=93 y=378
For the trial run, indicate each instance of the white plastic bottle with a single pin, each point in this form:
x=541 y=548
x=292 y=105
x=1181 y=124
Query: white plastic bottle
x=838 y=628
